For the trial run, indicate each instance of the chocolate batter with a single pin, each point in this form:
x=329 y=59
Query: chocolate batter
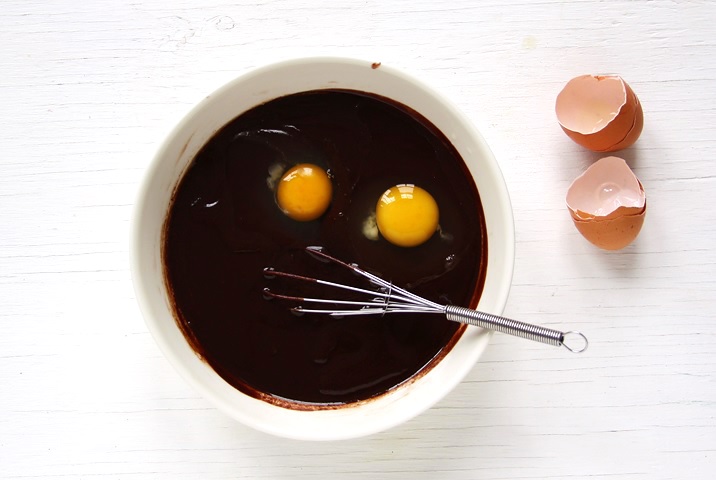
x=224 y=227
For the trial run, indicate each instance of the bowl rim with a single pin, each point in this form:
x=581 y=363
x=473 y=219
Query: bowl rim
x=258 y=414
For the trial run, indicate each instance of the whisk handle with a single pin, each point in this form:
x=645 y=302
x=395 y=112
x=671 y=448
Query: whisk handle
x=513 y=327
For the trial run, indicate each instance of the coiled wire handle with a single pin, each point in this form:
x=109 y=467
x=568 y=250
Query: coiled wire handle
x=516 y=328
x=392 y=299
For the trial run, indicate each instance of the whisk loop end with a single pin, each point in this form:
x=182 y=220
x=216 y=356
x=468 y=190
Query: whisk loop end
x=390 y=298
x=575 y=341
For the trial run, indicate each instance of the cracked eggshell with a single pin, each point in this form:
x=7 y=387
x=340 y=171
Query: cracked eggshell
x=600 y=112
x=608 y=204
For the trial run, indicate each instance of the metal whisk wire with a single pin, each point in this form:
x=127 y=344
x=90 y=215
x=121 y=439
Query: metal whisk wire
x=389 y=298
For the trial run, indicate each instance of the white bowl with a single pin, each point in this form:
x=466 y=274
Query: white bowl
x=176 y=154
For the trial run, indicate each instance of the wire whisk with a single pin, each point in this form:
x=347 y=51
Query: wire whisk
x=389 y=298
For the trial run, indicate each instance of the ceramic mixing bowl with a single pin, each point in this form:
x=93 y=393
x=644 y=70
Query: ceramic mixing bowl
x=176 y=154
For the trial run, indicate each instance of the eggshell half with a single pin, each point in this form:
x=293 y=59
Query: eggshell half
x=608 y=204
x=600 y=112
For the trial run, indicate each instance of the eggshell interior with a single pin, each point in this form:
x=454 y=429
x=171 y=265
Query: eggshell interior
x=588 y=103
x=605 y=186
x=600 y=112
x=607 y=204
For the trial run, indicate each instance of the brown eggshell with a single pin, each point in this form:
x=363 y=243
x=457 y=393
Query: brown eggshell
x=611 y=234
x=607 y=204
x=582 y=106
x=635 y=131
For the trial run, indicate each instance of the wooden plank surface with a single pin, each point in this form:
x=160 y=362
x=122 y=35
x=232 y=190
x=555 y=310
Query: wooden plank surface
x=89 y=89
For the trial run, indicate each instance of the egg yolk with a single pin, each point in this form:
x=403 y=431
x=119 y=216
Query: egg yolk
x=304 y=192
x=407 y=215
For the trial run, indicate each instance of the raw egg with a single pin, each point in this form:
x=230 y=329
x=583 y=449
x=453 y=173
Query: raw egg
x=608 y=204
x=600 y=112
x=304 y=192
x=407 y=215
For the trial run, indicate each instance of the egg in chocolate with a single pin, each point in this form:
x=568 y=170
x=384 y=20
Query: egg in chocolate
x=407 y=215
x=304 y=192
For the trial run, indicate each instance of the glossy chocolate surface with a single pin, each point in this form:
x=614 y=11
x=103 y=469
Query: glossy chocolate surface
x=224 y=227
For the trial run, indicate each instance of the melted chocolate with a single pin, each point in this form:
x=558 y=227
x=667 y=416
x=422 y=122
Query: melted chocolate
x=224 y=227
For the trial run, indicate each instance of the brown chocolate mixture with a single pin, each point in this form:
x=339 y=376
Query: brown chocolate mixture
x=224 y=227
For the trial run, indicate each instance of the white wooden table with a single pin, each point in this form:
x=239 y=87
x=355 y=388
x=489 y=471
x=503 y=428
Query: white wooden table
x=88 y=91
